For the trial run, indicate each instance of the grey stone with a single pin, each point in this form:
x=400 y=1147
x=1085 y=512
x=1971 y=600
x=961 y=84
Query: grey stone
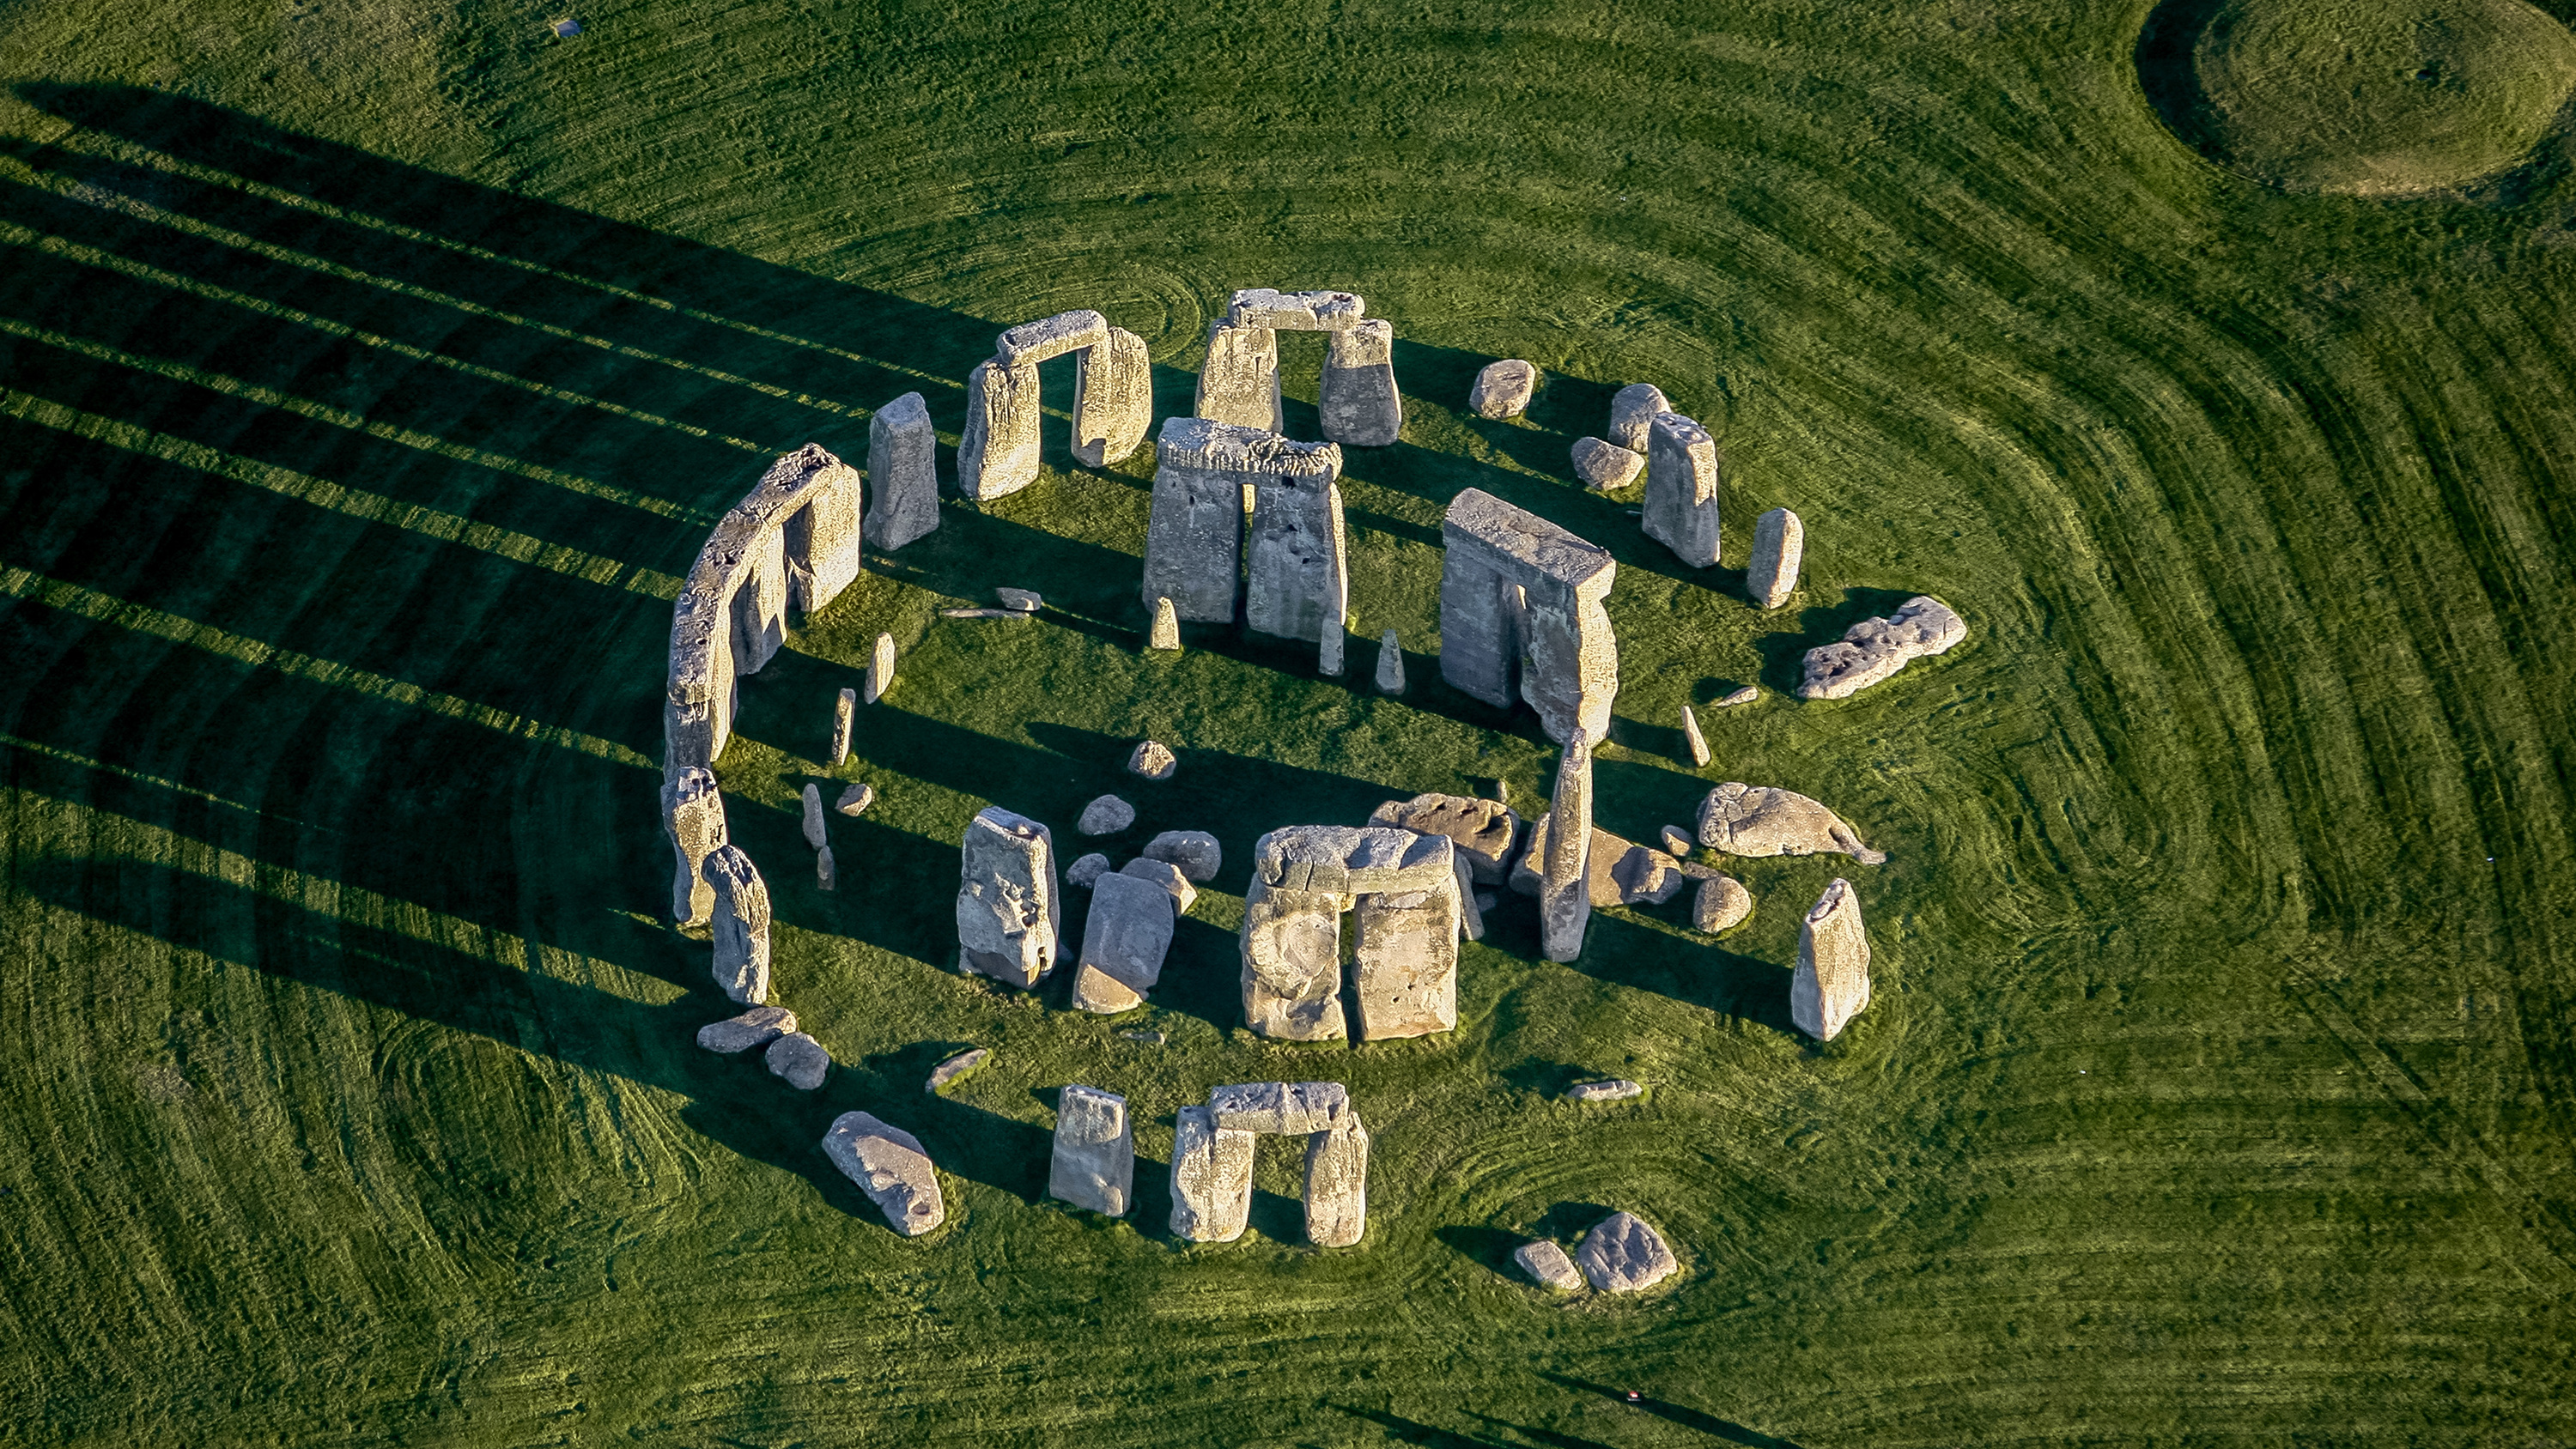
x=1831 y=984
x=825 y=872
x=1548 y=1266
x=811 y=799
x=1123 y=943
x=1352 y=859
x=1779 y=545
x=1297 y=554
x=1166 y=875
x=903 y=471
x=1009 y=911
x=1615 y=1090
x=1153 y=761
x=856 y=799
x=1683 y=474
x=889 y=1166
x=798 y=1060
x=880 y=668
x=1676 y=841
x=1329 y=651
x=1521 y=614
x=1759 y=820
x=1296 y=311
x=823 y=547
x=1632 y=414
x=955 y=1067
x=1693 y=740
x=757 y=1027
x=1390 y=664
x=1483 y=832
x=1873 y=649
x=1194 y=533
x=1087 y=870
x=1020 y=600
x=1106 y=815
x=845 y=716
x=1565 y=866
x=1743 y=695
x=741 y=925
x=1357 y=401
x=1113 y=399
x=1277 y=1108
x=1211 y=1178
x=1471 y=908
x=693 y=820
x=1292 y=962
x=1167 y=627
x=1239 y=382
x=1031 y=343
x=1094 y=1164
x=1624 y=1255
x=1605 y=467
x=1405 y=972
x=1149 y=1038
x=1618 y=872
x=1196 y=852
x=983 y=613
x=1721 y=905
x=1487 y=900
x=997 y=454
x=1337 y=1177
x=1502 y=389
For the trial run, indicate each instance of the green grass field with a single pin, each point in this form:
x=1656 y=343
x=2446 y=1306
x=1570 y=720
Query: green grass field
x=370 y=374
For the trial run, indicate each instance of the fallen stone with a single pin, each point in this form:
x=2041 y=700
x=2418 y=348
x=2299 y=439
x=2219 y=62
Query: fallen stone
x=1779 y=545
x=1008 y=908
x=1548 y=1266
x=1758 y=820
x=693 y=820
x=1831 y=984
x=1873 y=649
x=1721 y=905
x=1614 y=1090
x=1502 y=389
x=1275 y=1108
x=1357 y=402
x=1565 y=855
x=798 y=1060
x=1195 y=851
x=1113 y=399
x=1152 y=761
x=1482 y=831
x=1123 y=943
x=1619 y=872
x=1337 y=1179
x=1404 y=974
x=845 y=714
x=741 y=925
x=1632 y=415
x=1166 y=875
x=1020 y=600
x=1167 y=627
x=1676 y=841
x=1683 y=474
x=1390 y=664
x=1518 y=590
x=983 y=614
x=1085 y=871
x=903 y=473
x=880 y=668
x=889 y=1166
x=1693 y=740
x=1031 y=343
x=1211 y=1178
x=997 y=453
x=1296 y=311
x=1744 y=695
x=811 y=799
x=1623 y=1255
x=1094 y=1164
x=856 y=799
x=1106 y=815
x=1605 y=467
x=825 y=872
x=1239 y=381
x=1149 y=1038
x=757 y=1027
x=955 y=1067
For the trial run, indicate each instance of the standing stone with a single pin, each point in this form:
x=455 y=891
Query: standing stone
x=1502 y=389
x=1624 y=1255
x=1123 y=943
x=813 y=823
x=1682 y=477
x=1521 y=614
x=1292 y=962
x=903 y=471
x=1239 y=382
x=693 y=819
x=1831 y=985
x=1113 y=399
x=1548 y=1266
x=1697 y=742
x=741 y=925
x=1298 y=553
x=889 y=1166
x=1390 y=665
x=1357 y=400
x=825 y=874
x=1873 y=649
x=1779 y=544
x=1152 y=760
x=1605 y=467
x=998 y=452
x=824 y=543
x=1167 y=626
x=1211 y=1178
x=1008 y=907
x=1337 y=1182
x=1632 y=414
x=1196 y=852
x=881 y=668
x=845 y=714
x=1095 y=1151
x=1483 y=832
x=1565 y=889
x=1405 y=979
x=1106 y=815
x=798 y=1060
x=757 y=1027
x=1721 y=905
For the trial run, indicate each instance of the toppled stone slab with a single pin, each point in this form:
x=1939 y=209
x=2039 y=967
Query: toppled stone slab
x=1779 y=547
x=856 y=799
x=741 y=925
x=1759 y=820
x=1621 y=872
x=1682 y=480
x=1196 y=852
x=1873 y=649
x=903 y=473
x=1485 y=832
x=1503 y=389
x=1624 y=1255
x=1694 y=741
x=1020 y=600
x=889 y=1166
x=1548 y=1266
x=1008 y=907
x=798 y=1060
x=1239 y=381
x=1166 y=875
x=1031 y=343
x=1106 y=815
x=845 y=718
x=1615 y=1090
x=1211 y=1178
x=1604 y=467
x=1390 y=664
x=1296 y=311
x=1337 y=1182
x=1085 y=871
x=1279 y=1107
x=1721 y=905
x=1153 y=761
x=1123 y=943
x=693 y=820
x=1831 y=984
x=1166 y=633
x=810 y=803
x=1744 y=695
x=1632 y=415
x=983 y=614
x=757 y=1027
x=1113 y=399
x=955 y=1067
x=1357 y=403
x=1094 y=1164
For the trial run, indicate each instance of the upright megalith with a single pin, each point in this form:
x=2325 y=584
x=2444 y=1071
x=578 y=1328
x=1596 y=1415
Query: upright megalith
x=741 y=925
x=1239 y=382
x=1406 y=969
x=1094 y=1164
x=1779 y=546
x=1357 y=401
x=1009 y=907
x=1831 y=984
x=1404 y=978
x=997 y=454
x=1521 y=614
x=1124 y=941
x=1211 y=1178
x=1873 y=649
x=903 y=472
x=810 y=803
x=1632 y=414
x=1682 y=477
x=1298 y=565
x=1113 y=399
x=1502 y=389
x=1565 y=877
x=1194 y=534
x=889 y=1166
x=693 y=819
x=1212 y=1159
x=1337 y=1183
x=824 y=538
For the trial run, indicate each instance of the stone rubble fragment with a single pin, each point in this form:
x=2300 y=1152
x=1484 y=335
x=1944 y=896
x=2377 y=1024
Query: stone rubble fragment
x=1009 y=911
x=1779 y=545
x=856 y=799
x=1617 y=1089
x=811 y=803
x=845 y=715
x=1106 y=815
x=1276 y=1108
x=1128 y=934
x=880 y=668
x=798 y=1060
x=1167 y=627
x=1211 y=1178
x=1087 y=870
x=1521 y=615
x=1279 y=311
x=1548 y=1266
x=1565 y=865
x=1148 y=1038
x=1683 y=474
x=826 y=873
x=1721 y=905
x=757 y=1027
x=1624 y=1255
x=1873 y=649
x=1831 y=984
x=955 y=1067
x=1759 y=820
x=1502 y=389
x=1020 y=600
x=1676 y=841
x=1390 y=664
x=1153 y=761
x=1357 y=401
x=1693 y=740
x=1239 y=381
x=1195 y=851
x=741 y=925
x=693 y=820
x=1484 y=832
x=889 y=1166
x=1745 y=694
x=1337 y=1178
x=1632 y=415
x=1605 y=467
x=1094 y=1163
x=902 y=472
x=1166 y=875
x=1113 y=399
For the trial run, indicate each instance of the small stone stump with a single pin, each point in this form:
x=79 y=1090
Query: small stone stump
x=1152 y=761
x=1196 y=852
x=1106 y=815
x=1721 y=905
x=1548 y=1266
x=1503 y=389
x=798 y=1060
x=1605 y=467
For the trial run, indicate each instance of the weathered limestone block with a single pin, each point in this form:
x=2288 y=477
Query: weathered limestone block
x=1390 y=664
x=1521 y=615
x=955 y=1067
x=1406 y=976
x=698 y=703
x=1618 y=1089
x=1502 y=389
x=1298 y=555
x=1193 y=537
x=1239 y=382
x=1483 y=832
x=1624 y=1255
x=1123 y=943
x=1831 y=984
x=760 y=599
x=1721 y=905
x=812 y=801
x=798 y=1060
x=1694 y=741
x=889 y=1166
x=1565 y=894
x=1292 y=962
x=1094 y=1165
x=1758 y=820
x=1619 y=872
x=856 y=799
x=1548 y=1266
x=998 y=452
x=1296 y=311
x=1605 y=467
x=693 y=819
x=1279 y=1108
x=1211 y=1178
x=824 y=539
x=1779 y=546
x=880 y=668
x=741 y=925
x=1676 y=841
x=1031 y=343
x=1744 y=694
x=1873 y=649
x=1152 y=760
x=1632 y=415
x=1168 y=877
x=1166 y=634
x=1086 y=871
x=1106 y=815
x=903 y=472
x=757 y=1027
x=1113 y=399
x=1196 y=852
x=1008 y=907
x=1682 y=477
x=1351 y=859
x=1358 y=402
x=845 y=716
x=1337 y=1181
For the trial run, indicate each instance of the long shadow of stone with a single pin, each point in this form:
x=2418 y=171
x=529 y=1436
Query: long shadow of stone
x=1413 y=1431
x=1636 y=800
x=1724 y=1430
x=1490 y=1248
x=1628 y=954
x=1784 y=655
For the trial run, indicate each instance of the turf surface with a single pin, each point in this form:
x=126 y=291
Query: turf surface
x=371 y=374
